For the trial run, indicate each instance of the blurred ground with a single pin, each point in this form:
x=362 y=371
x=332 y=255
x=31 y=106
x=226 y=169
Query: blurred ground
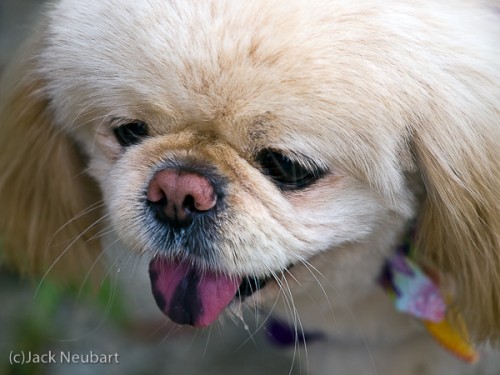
x=41 y=318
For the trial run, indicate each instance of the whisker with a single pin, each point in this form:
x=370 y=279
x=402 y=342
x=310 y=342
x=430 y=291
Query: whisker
x=107 y=311
x=297 y=326
x=88 y=273
x=363 y=337
x=263 y=324
x=207 y=342
x=312 y=271
x=102 y=233
x=59 y=257
x=60 y=130
x=93 y=207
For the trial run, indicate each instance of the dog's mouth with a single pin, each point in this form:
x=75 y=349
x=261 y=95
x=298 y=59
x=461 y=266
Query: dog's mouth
x=189 y=296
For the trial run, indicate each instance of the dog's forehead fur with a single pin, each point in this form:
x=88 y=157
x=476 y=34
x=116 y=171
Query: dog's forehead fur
x=238 y=68
x=198 y=63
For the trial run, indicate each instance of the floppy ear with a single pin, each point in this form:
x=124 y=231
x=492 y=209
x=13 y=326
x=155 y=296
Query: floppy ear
x=458 y=152
x=48 y=214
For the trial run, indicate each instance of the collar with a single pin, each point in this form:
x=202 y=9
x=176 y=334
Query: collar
x=415 y=291
x=284 y=335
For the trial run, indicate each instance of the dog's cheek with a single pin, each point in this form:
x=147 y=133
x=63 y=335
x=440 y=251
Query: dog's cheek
x=335 y=210
x=268 y=230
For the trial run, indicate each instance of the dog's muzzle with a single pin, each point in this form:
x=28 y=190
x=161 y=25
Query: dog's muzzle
x=185 y=204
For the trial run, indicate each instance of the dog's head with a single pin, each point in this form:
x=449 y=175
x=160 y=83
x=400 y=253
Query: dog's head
x=229 y=141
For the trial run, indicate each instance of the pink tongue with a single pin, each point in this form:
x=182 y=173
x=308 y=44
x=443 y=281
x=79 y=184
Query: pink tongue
x=187 y=296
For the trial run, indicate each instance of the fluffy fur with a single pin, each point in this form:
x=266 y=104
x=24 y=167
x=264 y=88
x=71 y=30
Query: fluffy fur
x=399 y=101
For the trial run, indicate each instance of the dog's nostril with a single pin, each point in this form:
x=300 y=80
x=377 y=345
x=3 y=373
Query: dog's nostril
x=170 y=213
x=159 y=209
x=188 y=204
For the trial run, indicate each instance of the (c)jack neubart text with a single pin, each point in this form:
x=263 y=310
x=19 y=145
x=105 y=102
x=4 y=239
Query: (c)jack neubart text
x=63 y=357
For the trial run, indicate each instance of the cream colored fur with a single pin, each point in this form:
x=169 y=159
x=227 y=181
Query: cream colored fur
x=400 y=101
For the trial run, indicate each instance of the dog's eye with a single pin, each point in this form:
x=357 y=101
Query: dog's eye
x=286 y=173
x=131 y=133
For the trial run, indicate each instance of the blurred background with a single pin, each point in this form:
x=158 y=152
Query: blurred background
x=15 y=21
x=39 y=317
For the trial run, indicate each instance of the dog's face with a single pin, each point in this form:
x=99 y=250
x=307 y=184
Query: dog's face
x=232 y=141
x=230 y=148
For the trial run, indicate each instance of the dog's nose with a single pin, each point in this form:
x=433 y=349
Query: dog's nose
x=179 y=196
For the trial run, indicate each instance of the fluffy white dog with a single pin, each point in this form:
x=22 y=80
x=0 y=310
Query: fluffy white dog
x=304 y=155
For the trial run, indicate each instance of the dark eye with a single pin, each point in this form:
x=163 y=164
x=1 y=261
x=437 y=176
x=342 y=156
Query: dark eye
x=131 y=133
x=286 y=173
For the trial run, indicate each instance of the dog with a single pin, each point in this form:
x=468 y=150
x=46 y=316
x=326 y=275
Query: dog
x=274 y=154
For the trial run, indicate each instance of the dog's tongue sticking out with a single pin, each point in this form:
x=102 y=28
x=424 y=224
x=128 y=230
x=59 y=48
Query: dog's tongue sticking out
x=189 y=296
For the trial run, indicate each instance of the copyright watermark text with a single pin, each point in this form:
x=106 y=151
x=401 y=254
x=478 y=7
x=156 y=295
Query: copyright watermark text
x=63 y=357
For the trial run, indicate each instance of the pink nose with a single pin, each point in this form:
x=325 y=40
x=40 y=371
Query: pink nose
x=179 y=196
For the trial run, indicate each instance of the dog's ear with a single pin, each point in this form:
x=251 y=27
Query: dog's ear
x=49 y=214
x=458 y=152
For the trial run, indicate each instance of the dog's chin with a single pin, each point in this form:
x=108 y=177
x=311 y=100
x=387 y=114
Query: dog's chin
x=189 y=295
